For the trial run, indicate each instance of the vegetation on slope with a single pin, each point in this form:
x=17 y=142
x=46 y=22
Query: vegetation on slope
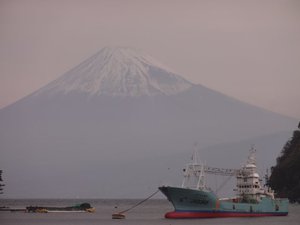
x=285 y=176
x=1 y=184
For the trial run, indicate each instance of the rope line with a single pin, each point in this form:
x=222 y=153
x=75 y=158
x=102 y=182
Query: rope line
x=139 y=202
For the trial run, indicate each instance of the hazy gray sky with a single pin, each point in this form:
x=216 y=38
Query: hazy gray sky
x=246 y=49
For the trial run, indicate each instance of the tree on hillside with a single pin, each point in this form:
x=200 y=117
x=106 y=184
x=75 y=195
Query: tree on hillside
x=1 y=184
x=285 y=176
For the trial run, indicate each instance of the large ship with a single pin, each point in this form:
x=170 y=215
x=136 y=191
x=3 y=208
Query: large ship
x=194 y=200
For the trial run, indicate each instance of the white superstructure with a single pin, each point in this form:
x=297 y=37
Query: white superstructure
x=248 y=181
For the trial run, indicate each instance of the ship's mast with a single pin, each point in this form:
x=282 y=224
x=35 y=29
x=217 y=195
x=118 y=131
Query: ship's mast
x=194 y=176
x=194 y=173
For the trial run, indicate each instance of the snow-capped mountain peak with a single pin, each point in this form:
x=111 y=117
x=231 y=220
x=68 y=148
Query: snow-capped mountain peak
x=119 y=71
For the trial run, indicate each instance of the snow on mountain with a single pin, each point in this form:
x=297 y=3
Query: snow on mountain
x=119 y=71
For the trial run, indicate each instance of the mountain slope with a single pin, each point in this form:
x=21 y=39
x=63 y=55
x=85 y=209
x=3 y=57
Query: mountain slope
x=93 y=116
x=119 y=72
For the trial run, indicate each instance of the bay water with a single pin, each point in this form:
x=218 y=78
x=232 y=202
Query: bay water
x=150 y=212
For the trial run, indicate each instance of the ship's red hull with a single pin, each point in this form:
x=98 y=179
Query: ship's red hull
x=187 y=215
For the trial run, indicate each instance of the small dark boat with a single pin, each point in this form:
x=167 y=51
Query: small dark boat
x=84 y=207
x=118 y=216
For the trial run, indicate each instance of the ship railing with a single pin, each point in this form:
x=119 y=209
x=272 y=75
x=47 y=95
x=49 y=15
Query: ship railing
x=197 y=168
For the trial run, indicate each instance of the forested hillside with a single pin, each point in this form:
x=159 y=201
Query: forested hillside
x=285 y=176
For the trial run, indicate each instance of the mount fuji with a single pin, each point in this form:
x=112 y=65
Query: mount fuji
x=119 y=72
x=122 y=119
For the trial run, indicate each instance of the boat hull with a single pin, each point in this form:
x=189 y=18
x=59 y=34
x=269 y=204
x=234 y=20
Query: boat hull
x=218 y=214
x=189 y=203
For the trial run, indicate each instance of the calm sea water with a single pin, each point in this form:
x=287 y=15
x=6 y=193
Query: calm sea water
x=151 y=212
